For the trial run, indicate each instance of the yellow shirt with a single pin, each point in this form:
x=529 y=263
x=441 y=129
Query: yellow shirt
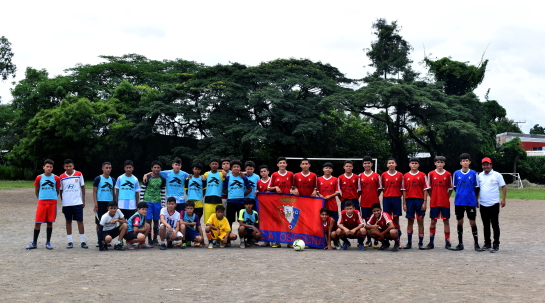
x=222 y=224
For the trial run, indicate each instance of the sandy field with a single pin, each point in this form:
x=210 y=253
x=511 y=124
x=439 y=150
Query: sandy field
x=515 y=274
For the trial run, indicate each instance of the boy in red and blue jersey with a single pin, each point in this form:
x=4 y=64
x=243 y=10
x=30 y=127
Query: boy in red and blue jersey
x=466 y=185
x=440 y=182
x=370 y=186
x=381 y=227
x=415 y=186
x=304 y=182
x=46 y=188
x=349 y=186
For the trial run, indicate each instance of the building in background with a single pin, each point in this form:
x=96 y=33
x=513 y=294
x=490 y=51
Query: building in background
x=534 y=145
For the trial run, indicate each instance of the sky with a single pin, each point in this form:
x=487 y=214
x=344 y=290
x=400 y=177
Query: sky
x=56 y=35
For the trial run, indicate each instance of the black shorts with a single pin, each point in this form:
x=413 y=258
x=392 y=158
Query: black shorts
x=114 y=233
x=73 y=212
x=102 y=209
x=199 y=211
x=212 y=200
x=131 y=236
x=127 y=213
x=460 y=209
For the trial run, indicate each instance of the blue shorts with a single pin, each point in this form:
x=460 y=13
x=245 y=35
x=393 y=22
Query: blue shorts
x=392 y=206
x=356 y=203
x=154 y=211
x=366 y=213
x=334 y=214
x=191 y=234
x=440 y=213
x=414 y=207
x=73 y=212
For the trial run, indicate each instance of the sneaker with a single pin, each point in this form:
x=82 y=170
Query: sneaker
x=448 y=245
x=144 y=246
x=228 y=244
x=210 y=245
x=486 y=247
x=169 y=244
x=427 y=247
x=421 y=246
x=477 y=247
x=163 y=246
x=495 y=248
x=183 y=246
x=84 y=245
x=119 y=247
x=337 y=245
x=375 y=245
x=395 y=248
x=368 y=244
x=48 y=246
x=222 y=245
x=242 y=244
x=155 y=242
x=290 y=245
x=275 y=245
x=408 y=246
x=31 y=246
x=70 y=245
x=361 y=246
x=109 y=244
x=104 y=246
x=458 y=247
x=130 y=246
x=346 y=245
x=383 y=247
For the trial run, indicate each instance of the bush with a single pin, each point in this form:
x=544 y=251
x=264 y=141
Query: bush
x=533 y=169
x=16 y=173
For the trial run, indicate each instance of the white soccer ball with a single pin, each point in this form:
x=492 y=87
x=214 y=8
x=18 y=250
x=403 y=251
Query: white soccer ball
x=298 y=245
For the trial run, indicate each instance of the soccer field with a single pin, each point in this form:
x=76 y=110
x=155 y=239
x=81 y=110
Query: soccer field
x=267 y=274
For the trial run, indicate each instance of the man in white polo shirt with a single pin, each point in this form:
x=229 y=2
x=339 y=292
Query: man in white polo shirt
x=490 y=182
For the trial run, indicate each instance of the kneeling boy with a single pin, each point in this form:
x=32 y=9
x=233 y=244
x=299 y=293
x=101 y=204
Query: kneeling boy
x=169 y=219
x=351 y=225
x=330 y=226
x=382 y=228
x=137 y=228
x=218 y=228
x=248 y=220
x=108 y=227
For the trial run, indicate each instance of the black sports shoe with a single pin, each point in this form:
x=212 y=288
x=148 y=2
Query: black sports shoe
x=70 y=245
x=459 y=247
x=84 y=245
x=383 y=246
x=477 y=247
x=163 y=246
x=427 y=247
x=119 y=247
x=495 y=248
x=448 y=245
x=395 y=248
x=486 y=247
x=155 y=242
x=104 y=246
x=408 y=246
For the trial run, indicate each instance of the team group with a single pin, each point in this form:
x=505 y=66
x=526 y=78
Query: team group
x=125 y=210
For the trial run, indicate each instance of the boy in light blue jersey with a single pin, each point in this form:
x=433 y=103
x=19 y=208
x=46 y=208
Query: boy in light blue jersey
x=103 y=192
x=466 y=186
x=214 y=188
x=249 y=166
x=127 y=190
x=248 y=220
x=195 y=187
x=236 y=186
x=174 y=183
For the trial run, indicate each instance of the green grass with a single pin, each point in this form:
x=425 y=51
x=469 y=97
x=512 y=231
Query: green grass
x=526 y=194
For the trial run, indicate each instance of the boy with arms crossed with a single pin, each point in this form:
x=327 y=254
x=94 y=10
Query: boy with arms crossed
x=190 y=224
x=370 y=186
x=440 y=182
x=304 y=182
x=152 y=195
x=73 y=201
x=414 y=201
x=46 y=189
x=349 y=186
x=248 y=220
x=127 y=190
x=249 y=166
x=108 y=227
x=351 y=225
x=220 y=228
x=466 y=187
x=327 y=188
x=103 y=193
x=195 y=187
x=330 y=227
x=170 y=226
x=382 y=228
x=392 y=183
x=214 y=188
x=138 y=228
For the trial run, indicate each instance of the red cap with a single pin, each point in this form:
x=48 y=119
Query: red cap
x=486 y=160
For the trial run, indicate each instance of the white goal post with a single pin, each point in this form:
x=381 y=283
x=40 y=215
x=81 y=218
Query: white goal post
x=517 y=178
x=333 y=159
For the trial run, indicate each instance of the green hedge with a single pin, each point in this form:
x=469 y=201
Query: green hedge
x=17 y=173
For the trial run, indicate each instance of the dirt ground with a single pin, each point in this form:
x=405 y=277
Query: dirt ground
x=515 y=274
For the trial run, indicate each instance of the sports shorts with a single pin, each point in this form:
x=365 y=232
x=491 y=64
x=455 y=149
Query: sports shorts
x=73 y=212
x=209 y=209
x=112 y=233
x=389 y=236
x=46 y=211
x=154 y=211
x=102 y=209
x=356 y=203
x=392 y=206
x=414 y=208
x=366 y=213
x=440 y=213
x=127 y=213
x=191 y=234
x=129 y=236
x=470 y=210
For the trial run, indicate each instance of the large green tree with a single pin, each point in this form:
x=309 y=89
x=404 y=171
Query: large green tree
x=7 y=67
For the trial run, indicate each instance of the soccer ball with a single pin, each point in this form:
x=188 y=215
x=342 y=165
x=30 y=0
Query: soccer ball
x=298 y=245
